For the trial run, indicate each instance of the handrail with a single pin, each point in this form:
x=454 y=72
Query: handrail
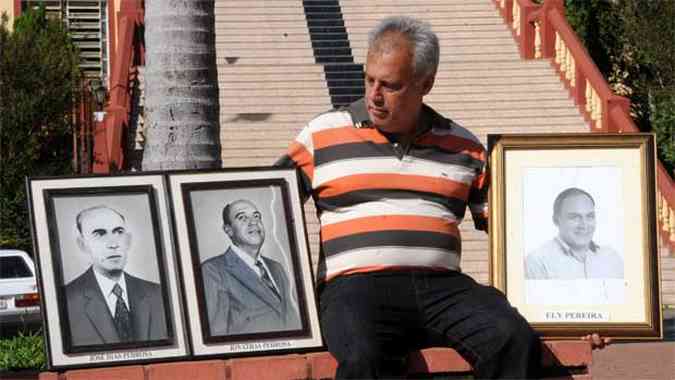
x=108 y=145
x=542 y=31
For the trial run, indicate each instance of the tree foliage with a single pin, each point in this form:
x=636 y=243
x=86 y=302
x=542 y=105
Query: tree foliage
x=39 y=77
x=633 y=44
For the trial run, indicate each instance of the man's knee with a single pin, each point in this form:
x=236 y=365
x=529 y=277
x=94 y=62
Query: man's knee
x=514 y=329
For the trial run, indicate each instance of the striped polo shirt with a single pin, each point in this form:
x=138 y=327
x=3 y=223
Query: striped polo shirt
x=383 y=206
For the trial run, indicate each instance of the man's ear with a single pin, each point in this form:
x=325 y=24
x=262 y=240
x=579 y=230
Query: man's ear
x=80 y=244
x=228 y=229
x=428 y=83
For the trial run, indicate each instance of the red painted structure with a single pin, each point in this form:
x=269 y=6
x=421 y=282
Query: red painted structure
x=126 y=52
x=615 y=109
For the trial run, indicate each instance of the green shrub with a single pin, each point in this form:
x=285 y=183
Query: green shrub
x=39 y=76
x=24 y=351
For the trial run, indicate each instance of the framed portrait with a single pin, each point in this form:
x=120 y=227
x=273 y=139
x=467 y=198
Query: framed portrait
x=107 y=270
x=573 y=232
x=245 y=260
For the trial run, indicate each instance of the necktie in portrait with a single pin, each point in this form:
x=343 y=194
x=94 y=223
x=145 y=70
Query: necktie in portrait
x=122 y=316
x=266 y=279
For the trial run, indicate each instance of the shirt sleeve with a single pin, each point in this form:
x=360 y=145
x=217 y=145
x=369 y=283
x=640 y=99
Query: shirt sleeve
x=300 y=155
x=478 y=197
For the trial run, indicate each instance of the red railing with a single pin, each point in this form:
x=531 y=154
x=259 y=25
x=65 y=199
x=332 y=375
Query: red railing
x=108 y=144
x=542 y=31
x=83 y=126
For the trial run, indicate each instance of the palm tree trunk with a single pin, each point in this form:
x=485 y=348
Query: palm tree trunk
x=181 y=93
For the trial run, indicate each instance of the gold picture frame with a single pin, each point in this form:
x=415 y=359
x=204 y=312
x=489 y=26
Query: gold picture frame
x=573 y=232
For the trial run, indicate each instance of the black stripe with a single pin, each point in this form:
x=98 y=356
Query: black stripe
x=352 y=150
x=399 y=238
x=369 y=149
x=456 y=206
x=438 y=154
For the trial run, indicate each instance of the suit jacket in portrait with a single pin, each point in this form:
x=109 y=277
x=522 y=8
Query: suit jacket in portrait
x=91 y=322
x=238 y=302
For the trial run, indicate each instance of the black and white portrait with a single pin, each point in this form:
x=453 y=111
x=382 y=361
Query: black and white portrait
x=572 y=219
x=109 y=285
x=109 y=259
x=245 y=260
x=247 y=274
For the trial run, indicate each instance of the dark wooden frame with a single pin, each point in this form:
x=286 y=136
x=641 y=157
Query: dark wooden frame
x=182 y=185
x=61 y=352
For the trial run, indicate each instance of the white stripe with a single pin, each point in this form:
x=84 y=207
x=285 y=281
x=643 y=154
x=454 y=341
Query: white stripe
x=391 y=165
x=384 y=207
x=390 y=256
x=329 y=120
x=305 y=139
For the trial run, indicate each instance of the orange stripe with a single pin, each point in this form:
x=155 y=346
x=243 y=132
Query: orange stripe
x=442 y=186
x=481 y=180
x=389 y=222
x=455 y=144
x=302 y=158
x=346 y=135
x=379 y=268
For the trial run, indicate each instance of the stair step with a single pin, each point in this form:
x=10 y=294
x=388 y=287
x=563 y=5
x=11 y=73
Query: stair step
x=254 y=70
x=247 y=108
x=517 y=122
x=221 y=59
x=283 y=85
x=273 y=102
x=281 y=93
x=441 y=87
x=267 y=117
x=432 y=9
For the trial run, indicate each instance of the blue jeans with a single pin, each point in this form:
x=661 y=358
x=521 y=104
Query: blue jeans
x=372 y=321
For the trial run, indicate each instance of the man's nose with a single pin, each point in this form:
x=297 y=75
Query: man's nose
x=113 y=243
x=375 y=92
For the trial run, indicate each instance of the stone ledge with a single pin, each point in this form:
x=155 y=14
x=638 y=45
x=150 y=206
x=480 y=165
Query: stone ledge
x=563 y=360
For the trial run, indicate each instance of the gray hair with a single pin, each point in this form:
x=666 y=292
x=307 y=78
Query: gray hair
x=419 y=34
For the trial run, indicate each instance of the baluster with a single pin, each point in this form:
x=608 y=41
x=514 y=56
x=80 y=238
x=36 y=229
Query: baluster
x=671 y=227
x=598 y=111
x=573 y=72
x=537 y=40
x=589 y=97
x=516 y=17
x=558 y=43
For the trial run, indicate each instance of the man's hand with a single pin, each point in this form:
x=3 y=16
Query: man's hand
x=597 y=342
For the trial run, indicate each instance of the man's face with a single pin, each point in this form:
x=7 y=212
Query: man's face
x=393 y=95
x=105 y=238
x=576 y=221
x=246 y=229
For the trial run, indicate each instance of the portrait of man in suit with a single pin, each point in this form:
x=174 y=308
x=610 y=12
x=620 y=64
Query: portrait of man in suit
x=246 y=291
x=105 y=304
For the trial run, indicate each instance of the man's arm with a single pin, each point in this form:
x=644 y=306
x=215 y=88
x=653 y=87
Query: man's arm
x=217 y=305
x=300 y=155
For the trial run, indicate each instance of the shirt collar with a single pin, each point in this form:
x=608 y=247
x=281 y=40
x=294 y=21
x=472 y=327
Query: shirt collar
x=430 y=118
x=245 y=257
x=250 y=262
x=568 y=250
x=107 y=284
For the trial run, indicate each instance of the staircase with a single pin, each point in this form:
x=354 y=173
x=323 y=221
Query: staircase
x=282 y=62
